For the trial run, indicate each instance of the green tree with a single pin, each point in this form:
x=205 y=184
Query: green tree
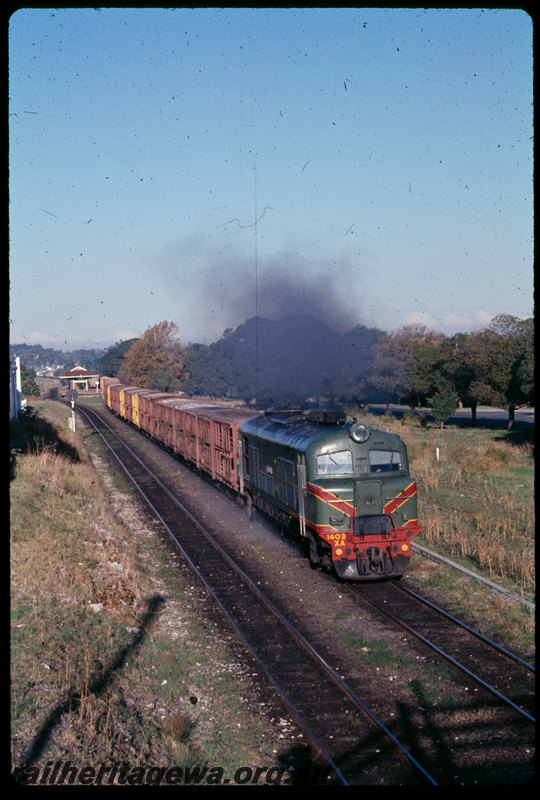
x=444 y=405
x=464 y=367
x=405 y=362
x=158 y=351
x=164 y=380
x=29 y=386
x=510 y=345
x=387 y=376
x=525 y=371
x=423 y=349
x=207 y=370
x=111 y=363
x=494 y=365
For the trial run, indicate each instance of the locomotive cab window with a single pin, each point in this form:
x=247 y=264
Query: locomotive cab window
x=385 y=461
x=339 y=463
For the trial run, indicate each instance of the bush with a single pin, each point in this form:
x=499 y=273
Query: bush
x=444 y=406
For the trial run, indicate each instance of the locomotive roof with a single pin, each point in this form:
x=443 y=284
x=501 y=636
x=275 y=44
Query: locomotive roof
x=299 y=432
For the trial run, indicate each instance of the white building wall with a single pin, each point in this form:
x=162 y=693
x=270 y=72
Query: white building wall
x=15 y=390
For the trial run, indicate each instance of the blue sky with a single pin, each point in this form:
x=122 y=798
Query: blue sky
x=372 y=166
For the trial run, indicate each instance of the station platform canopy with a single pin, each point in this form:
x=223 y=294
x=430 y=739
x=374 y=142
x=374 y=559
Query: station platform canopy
x=81 y=379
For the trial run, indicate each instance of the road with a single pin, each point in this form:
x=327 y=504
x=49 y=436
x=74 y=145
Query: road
x=485 y=415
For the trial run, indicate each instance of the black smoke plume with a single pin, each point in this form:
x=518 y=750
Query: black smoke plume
x=290 y=330
x=287 y=287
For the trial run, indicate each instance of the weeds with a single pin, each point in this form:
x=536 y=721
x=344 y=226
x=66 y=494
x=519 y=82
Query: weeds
x=95 y=650
x=475 y=490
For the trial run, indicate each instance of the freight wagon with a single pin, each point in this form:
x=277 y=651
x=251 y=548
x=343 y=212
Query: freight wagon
x=341 y=486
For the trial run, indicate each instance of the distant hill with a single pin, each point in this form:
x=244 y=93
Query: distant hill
x=36 y=357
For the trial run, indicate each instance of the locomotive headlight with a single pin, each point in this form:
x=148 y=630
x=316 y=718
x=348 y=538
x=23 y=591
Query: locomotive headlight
x=359 y=432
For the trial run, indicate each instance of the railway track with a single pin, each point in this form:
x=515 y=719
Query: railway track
x=499 y=672
x=350 y=742
x=499 y=683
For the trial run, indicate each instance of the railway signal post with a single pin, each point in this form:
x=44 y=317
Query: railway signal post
x=72 y=394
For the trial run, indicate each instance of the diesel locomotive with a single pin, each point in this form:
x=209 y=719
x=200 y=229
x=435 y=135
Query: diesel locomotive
x=343 y=487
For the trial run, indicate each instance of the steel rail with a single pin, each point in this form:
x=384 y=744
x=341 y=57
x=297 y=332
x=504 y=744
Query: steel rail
x=300 y=638
x=464 y=625
x=474 y=576
x=207 y=586
x=442 y=653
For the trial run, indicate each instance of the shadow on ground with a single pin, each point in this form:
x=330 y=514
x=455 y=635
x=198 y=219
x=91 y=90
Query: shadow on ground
x=31 y=434
x=95 y=686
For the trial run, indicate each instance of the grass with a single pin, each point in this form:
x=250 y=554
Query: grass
x=113 y=655
x=376 y=652
x=113 y=658
x=476 y=496
x=476 y=506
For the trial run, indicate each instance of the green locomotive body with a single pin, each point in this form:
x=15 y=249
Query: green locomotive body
x=344 y=487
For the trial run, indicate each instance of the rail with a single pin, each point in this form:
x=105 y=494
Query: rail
x=305 y=724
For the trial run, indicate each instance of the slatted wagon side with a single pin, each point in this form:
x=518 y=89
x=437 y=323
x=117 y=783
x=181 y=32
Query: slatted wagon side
x=218 y=444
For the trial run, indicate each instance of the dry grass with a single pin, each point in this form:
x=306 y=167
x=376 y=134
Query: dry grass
x=476 y=496
x=107 y=646
x=65 y=572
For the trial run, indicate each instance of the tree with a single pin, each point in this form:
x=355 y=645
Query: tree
x=157 y=352
x=464 y=367
x=29 y=386
x=444 y=405
x=422 y=348
x=405 y=362
x=164 y=380
x=387 y=376
x=525 y=370
x=207 y=370
x=111 y=363
x=510 y=344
